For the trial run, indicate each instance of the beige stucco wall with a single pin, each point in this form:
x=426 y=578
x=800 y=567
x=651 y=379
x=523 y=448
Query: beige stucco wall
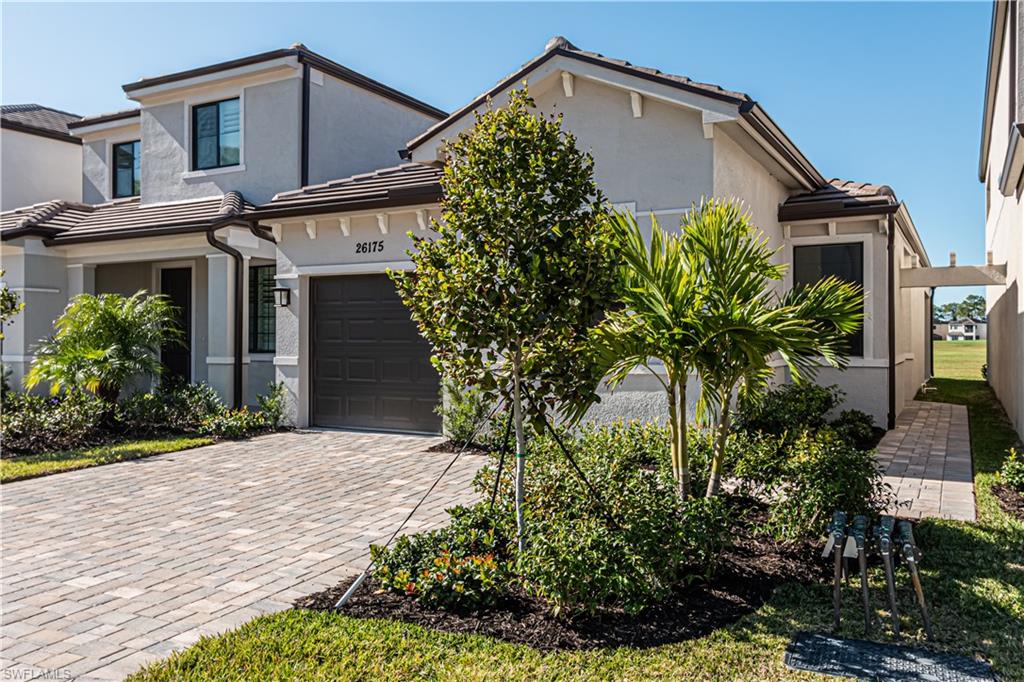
x=1004 y=225
x=35 y=169
x=912 y=326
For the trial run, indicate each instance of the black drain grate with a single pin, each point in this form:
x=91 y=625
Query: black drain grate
x=882 y=662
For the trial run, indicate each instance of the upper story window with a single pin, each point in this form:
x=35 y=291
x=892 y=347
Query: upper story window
x=216 y=134
x=127 y=169
x=262 y=315
x=842 y=261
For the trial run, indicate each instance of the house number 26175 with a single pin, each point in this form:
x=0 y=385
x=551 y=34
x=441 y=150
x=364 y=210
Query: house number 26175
x=370 y=247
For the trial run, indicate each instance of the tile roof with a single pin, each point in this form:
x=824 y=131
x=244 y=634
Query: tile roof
x=305 y=56
x=407 y=184
x=35 y=118
x=840 y=197
x=65 y=222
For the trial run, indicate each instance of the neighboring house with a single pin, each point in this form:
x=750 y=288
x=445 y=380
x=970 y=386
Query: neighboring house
x=660 y=142
x=965 y=329
x=41 y=159
x=165 y=191
x=214 y=141
x=1001 y=168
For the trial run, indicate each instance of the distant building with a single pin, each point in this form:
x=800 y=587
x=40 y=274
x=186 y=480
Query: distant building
x=42 y=160
x=964 y=329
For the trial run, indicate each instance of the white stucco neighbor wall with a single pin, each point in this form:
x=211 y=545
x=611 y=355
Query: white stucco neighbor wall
x=34 y=169
x=1004 y=237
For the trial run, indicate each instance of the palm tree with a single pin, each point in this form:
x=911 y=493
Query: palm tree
x=659 y=299
x=744 y=323
x=103 y=341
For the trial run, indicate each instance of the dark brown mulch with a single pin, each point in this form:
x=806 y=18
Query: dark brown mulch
x=744 y=581
x=453 y=447
x=1010 y=500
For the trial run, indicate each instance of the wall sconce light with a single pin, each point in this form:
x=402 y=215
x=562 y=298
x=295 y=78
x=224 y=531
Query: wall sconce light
x=282 y=296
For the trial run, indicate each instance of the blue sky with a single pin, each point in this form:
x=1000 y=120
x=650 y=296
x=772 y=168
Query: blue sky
x=882 y=92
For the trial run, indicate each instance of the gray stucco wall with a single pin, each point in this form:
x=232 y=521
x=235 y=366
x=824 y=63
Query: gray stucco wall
x=270 y=148
x=354 y=131
x=94 y=172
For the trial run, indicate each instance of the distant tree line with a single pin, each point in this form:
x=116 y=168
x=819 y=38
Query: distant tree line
x=973 y=307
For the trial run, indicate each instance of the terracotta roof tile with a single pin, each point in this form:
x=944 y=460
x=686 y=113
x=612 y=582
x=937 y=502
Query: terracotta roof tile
x=65 y=221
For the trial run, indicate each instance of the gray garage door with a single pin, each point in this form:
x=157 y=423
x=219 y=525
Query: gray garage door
x=371 y=368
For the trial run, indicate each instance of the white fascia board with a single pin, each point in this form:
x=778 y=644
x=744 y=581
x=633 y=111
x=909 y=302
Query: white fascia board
x=905 y=223
x=123 y=126
x=277 y=69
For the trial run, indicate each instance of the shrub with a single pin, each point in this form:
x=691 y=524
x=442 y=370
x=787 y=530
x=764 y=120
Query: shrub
x=234 y=423
x=271 y=405
x=821 y=472
x=462 y=566
x=31 y=424
x=173 y=406
x=857 y=428
x=463 y=411
x=579 y=558
x=789 y=408
x=1012 y=473
x=626 y=548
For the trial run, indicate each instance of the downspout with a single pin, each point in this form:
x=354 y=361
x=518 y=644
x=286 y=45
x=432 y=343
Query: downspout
x=304 y=127
x=931 y=334
x=891 y=257
x=236 y=397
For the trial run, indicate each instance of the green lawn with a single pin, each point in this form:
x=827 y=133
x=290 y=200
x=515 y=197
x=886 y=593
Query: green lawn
x=973 y=574
x=959 y=359
x=30 y=466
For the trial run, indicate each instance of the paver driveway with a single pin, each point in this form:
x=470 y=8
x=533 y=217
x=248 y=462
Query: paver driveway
x=109 y=568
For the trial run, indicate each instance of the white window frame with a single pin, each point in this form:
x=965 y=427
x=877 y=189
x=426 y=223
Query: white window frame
x=867 y=241
x=209 y=97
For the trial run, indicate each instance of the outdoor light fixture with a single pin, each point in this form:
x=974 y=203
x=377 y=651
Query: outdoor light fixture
x=281 y=296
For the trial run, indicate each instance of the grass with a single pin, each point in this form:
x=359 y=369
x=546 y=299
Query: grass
x=959 y=359
x=31 y=466
x=973 y=575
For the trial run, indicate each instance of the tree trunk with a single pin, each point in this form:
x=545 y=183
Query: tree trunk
x=718 y=453
x=673 y=425
x=677 y=427
x=683 y=444
x=517 y=415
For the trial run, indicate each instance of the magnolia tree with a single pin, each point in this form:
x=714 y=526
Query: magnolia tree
x=509 y=289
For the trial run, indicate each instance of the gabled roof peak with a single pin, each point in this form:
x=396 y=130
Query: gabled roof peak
x=559 y=42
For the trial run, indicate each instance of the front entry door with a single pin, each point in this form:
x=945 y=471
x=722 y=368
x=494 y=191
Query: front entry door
x=176 y=284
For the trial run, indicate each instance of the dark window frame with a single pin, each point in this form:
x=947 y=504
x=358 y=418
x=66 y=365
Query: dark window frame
x=113 y=169
x=262 y=338
x=855 y=352
x=194 y=139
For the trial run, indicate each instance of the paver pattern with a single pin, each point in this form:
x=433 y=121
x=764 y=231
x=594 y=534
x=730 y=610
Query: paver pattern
x=110 y=568
x=927 y=460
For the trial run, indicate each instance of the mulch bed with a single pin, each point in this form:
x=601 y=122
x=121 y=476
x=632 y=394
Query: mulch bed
x=748 y=574
x=1010 y=500
x=453 y=447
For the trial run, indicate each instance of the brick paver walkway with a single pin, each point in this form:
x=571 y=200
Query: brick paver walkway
x=110 y=568
x=927 y=460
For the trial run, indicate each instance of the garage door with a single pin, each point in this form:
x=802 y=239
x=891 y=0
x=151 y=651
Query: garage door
x=371 y=368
